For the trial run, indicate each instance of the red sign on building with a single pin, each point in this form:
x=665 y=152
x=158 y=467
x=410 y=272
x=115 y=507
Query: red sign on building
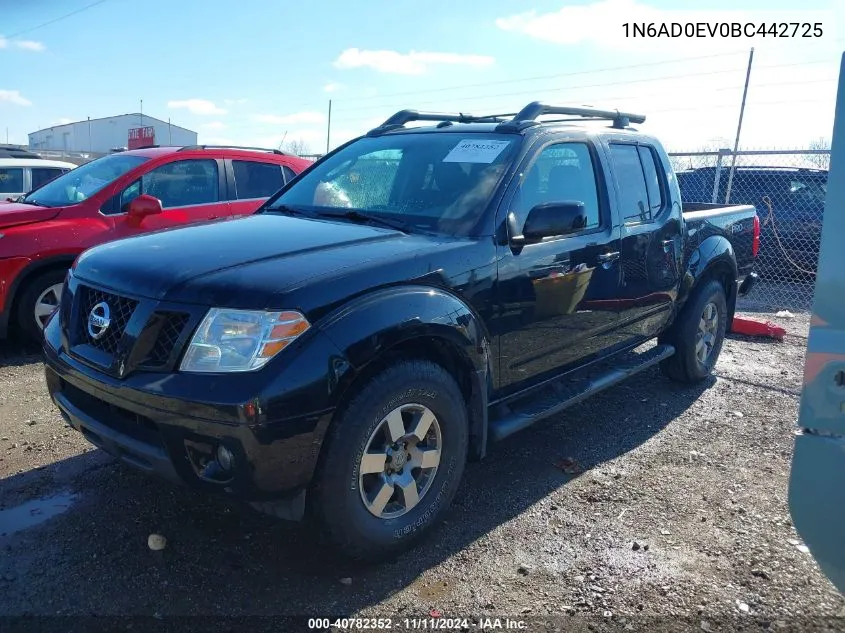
x=141 y=136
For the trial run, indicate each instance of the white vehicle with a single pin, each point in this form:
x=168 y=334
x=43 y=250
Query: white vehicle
x=21 y=175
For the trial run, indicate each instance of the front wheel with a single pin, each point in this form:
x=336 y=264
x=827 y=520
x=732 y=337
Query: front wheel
x=39 y=299
x=697 y=335
x=392 y=461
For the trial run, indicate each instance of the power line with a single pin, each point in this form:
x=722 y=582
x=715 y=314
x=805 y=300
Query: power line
x=670 y=93
x=376 y=108
x=553 y=76
x=594 y=85
x=54 y=20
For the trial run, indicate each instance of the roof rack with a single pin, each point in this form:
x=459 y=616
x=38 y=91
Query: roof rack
x=406 y=116
x=188 y=148
x=511 y=122
x=529 y=114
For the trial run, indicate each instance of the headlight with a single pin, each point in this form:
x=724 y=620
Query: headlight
x=241 y=340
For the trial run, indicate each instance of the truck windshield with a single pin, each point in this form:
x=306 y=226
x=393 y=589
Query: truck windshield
x=438 y=181
x=83 y=182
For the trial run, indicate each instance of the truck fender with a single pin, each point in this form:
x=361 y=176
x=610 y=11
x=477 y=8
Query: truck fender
x=714 y=257
x=370 y=326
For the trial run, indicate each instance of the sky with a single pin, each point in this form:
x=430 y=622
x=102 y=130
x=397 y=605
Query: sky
x=259 y=72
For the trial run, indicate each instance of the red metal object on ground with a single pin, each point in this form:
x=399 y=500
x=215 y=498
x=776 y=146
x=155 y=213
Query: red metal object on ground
x=750 y=327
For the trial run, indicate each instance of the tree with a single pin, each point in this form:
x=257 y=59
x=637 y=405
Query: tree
x=296 y=146
x=819 y=161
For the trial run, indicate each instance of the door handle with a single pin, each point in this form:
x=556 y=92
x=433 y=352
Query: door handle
x=606 y=258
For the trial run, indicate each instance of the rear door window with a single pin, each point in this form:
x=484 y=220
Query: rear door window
x=652 y=179
x=289 y=173
x=633 y=190
x=11 y=180
x=256 y=180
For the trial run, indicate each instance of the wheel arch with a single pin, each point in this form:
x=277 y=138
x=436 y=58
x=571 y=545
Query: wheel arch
x=715 y=259
x=415 y=323
x=33 y=270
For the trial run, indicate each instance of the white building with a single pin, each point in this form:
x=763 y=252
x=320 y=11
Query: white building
x=103 y=135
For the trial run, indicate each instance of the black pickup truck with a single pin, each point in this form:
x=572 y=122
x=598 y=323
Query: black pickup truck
x=414 y=295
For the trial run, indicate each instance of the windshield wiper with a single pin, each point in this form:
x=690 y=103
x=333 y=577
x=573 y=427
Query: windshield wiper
x=358 y=216
x=34 y=203
x=282 y=208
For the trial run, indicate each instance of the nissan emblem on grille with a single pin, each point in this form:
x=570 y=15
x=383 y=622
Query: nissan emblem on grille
x=99 y=320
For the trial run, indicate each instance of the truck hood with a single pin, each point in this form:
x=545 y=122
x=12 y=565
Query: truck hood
x=13 y=213
x=244 y=263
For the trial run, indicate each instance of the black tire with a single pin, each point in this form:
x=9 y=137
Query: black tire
x=685 y=365
x=336 y=501
x=32 y=290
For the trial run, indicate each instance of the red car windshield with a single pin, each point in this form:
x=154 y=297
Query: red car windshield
x=83 y=182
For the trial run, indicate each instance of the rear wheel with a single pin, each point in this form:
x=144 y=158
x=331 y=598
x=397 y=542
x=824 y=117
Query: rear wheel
x=697 y=335
x=37 y=302
x=392 y=461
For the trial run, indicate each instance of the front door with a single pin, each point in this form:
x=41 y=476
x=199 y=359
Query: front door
x=189 y=190
x=555 y=297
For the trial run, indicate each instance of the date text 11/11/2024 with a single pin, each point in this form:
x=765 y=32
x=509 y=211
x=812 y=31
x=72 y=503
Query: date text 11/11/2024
x=415 y=624
x=723 y=29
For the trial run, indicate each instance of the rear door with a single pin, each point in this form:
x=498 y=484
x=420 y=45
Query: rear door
x=190 y=190
x=555 y=297
x=650 y=213
x=251 y=183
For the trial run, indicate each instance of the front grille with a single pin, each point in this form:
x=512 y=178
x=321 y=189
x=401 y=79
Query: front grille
x=168 y=337
x=120 y=311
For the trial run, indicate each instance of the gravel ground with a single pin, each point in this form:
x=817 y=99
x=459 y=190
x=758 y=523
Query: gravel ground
x=650 y=504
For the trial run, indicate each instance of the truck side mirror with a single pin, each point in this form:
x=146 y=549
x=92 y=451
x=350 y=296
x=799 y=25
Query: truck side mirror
x=142 y=206
x=552 y=219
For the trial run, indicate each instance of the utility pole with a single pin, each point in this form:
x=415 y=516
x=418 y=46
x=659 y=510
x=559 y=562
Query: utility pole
x=329 y=127
x=739 y=127
x=142 y=113
x=7 y=135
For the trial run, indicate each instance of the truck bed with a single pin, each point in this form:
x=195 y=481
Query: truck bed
x=734 y=222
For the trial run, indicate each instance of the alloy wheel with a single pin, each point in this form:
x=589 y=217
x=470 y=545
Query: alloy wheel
x=400 y=461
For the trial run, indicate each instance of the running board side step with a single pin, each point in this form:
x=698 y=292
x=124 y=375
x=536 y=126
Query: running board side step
x=572 y=389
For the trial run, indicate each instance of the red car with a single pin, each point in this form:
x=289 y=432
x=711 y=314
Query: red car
x=121 y=195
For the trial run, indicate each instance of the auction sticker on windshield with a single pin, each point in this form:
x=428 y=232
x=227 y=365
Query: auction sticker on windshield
x=475 y=151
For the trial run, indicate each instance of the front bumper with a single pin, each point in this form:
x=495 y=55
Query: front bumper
x=171 y=424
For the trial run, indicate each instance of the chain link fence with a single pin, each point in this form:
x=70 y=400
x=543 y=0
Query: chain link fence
x=788 y=189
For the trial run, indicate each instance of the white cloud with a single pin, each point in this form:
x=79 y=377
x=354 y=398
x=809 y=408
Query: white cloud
x=213 y=125
x=290 y=119
x=27 y=45
x=601 y=23
x=332 y=87
x=230 y=102
x=64 y=121
x=413 y=63
x=197 y=106
x=14 y=97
